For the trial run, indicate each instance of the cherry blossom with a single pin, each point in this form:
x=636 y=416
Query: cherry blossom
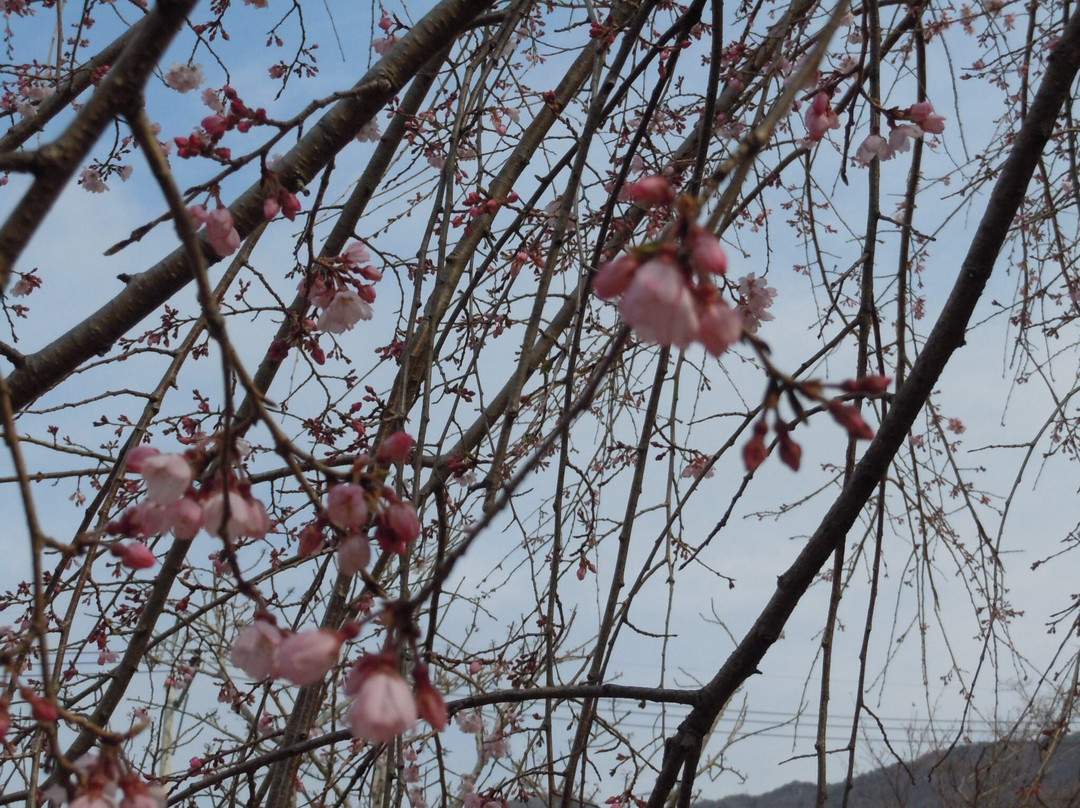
x=167 y=477
x=247 y=516
x=369 y=132
x=658 y=305
x=345 y=310
x=757 y=296
x=922 y=114
x=307 y=656
x=353 y=554
x=398 y=527
x=820 y=117
x=384 y=706
x=720 y=326
x=346 y=506
x=704 y=252
x=900 y=137
x=220 y=231
x=91 y=181
x=138 y=794
x=651 y=192
x=254 y=648
x=184 y=77
x=875 y=146
x=396 y=448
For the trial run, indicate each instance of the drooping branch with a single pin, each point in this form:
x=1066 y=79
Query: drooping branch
x=335 y=130
x=945 y=338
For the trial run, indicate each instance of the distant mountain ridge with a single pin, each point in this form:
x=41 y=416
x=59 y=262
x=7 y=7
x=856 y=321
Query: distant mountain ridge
x=987 y=775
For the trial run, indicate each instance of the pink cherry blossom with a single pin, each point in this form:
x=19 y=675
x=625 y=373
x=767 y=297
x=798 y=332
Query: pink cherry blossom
x=345 y=310
x=757 y=296
x=356 y=254
x=138 y=794
x=346 y=505
x=91 y=181
x=307 y=656
x=922 y=113
x=875 y=146
x=470 y=722
x=900 y=137
x=167 y=477
x=398 y=527
x=254 y=649
x=187 y=518
x=383 y=45
x=184 y=77
x=220 y=231
x=384 y=707
x=820 y=117
x=659 y=306
x=133 y=460
x=369 y=132
x=353 y=554
x=247 y=516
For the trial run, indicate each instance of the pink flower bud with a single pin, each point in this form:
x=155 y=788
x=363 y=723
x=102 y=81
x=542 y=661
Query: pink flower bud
x=755 y=451
x=307 y=656
x=215 y=126
x=290 y=205
x=187 y=518
x=395 y=449
x=271 y=208
x=707 y=256
x=867 y=385
x=790 y=451
x=429 y=702
x=399 y=526
x=136 y=555
x=651 y=191
x=612 y=279
x=311 y=540
x=850 y=419
x=42 y=709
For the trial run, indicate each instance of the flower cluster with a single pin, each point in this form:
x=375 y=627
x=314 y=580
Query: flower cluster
x=820 y=117
x=172 y=504
x=666 y=289
x=99 y=779
x=921 y=119
x=352 y=508
x=757 y=450
x=384 y=706
x=204 y=141
x=184 y=77
x=220 y=230
x=336 y=287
